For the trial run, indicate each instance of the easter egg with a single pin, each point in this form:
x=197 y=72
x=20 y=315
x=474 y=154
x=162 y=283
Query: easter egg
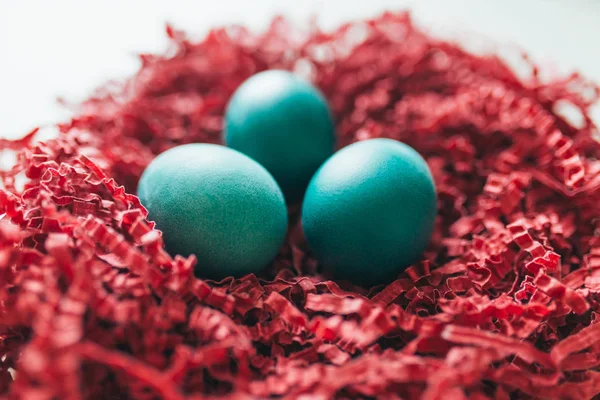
x=369 y=211
x=218 y=204
x=284 y=123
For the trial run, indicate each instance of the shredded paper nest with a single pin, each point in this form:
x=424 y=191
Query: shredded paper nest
x=505 y=304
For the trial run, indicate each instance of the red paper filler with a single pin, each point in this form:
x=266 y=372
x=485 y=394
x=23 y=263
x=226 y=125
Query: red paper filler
x=504 y=306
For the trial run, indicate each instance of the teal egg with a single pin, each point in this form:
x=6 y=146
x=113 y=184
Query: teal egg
x=370 y=210
x=284 y=123
x=218 y=204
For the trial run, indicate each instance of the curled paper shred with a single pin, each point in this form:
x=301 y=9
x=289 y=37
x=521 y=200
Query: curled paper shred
x=503 y=305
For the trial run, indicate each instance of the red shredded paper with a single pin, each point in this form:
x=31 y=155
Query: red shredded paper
x=505 y=305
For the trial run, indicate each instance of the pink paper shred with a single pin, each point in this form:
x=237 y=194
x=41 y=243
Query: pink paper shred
x=505 y=304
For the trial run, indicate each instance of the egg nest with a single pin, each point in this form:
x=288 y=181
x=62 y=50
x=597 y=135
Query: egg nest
x=504 y=304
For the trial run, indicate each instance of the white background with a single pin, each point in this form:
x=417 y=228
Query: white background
x=68 y=47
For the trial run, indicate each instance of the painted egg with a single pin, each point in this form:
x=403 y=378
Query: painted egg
x=370 y=210
x=218 y=204
x=284 y=123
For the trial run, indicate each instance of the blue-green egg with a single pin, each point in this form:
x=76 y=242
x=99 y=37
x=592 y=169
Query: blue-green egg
x=218 y=204
x=370 y=210
x=284 y=123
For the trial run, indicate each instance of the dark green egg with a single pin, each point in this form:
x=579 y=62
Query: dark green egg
x=369 y=211
x=218 y=204
x=284 y=123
